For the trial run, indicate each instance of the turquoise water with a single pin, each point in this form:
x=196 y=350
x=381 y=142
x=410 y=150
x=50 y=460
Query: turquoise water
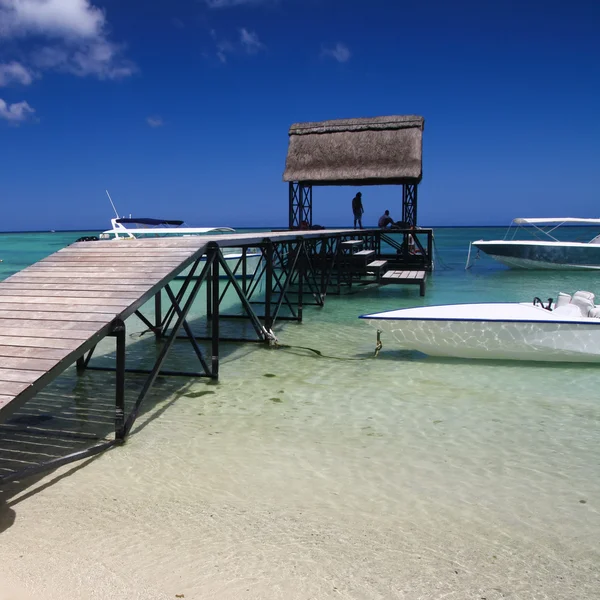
x=418 y=477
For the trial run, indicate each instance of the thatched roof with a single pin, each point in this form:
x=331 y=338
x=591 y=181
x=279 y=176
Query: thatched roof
x=380 y=150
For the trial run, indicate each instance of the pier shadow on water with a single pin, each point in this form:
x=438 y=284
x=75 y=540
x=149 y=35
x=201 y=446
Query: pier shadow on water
x=77 y=411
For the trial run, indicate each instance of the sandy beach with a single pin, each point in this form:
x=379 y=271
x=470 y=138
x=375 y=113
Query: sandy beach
x=281 y=485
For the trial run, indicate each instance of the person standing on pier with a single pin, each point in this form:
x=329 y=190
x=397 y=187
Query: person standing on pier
x=357 y=209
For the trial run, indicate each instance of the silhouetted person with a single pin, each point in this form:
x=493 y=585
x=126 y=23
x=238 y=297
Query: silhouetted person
x=412 y=245
x=357 y=209
x=385 y=220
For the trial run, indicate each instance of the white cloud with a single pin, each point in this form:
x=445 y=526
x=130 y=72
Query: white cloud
x=155 y=121
x=14 y=72
x=250 y=41
x=15 y=113
x=57 y=18
x=224 y=48
x=339 y=52
x=73 y=36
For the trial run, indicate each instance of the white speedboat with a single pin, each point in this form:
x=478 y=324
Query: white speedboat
x=131 y=228
x=546 y=251
x=567 y=330
x=123 y=228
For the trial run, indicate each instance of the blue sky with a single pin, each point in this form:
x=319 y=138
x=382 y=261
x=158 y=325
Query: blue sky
x=181 y=108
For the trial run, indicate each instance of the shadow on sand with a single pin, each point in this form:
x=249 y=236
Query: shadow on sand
x=76 y=412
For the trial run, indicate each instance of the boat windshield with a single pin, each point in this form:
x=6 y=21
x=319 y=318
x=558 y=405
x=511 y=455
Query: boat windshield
x=131 y=228
x=143 y=222
x=566 y=229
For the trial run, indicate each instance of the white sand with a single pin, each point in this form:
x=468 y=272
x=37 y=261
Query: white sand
x=442 y=483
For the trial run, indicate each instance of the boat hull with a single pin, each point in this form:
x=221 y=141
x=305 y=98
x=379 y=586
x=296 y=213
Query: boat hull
x=528 y=336
x=542 y=255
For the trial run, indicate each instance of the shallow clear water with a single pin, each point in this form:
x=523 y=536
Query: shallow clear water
x=306 y=476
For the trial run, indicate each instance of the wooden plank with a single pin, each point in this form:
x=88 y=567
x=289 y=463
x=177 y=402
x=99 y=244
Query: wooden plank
x=139 y=255
x=352 y=242
x=76 y=260
x=119 y=266
x=17 y=315
x=43 y=329
x=13 y=387
x=122 y=257
x=28 y=364
x=377 y=264
x=405 y=276
x=19 y=376
x=103 y=282
x=155 y=242
x=69 y=286
x=29 y=352
x=61 y=303
x=135 y=248
x=39 y=342
x=4 y=400
x=26 y=307
x=109 y=280
x=364 y=253
x=34 y=274
x=33 y=296
x=86 y=271
x=123 y=267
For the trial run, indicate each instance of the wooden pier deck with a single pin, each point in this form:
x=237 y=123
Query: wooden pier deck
x=55 y=312
x=406 y=277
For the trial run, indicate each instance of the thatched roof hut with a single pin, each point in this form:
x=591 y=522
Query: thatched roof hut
x=374 y=151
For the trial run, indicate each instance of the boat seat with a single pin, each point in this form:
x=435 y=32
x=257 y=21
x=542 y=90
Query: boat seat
x=562 y=300
x=568 y=310
x=584 y=294
x=594 y=313
x=584 y=301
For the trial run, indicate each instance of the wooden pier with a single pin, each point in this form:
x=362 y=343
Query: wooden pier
x=407 y=277
x=55 y=312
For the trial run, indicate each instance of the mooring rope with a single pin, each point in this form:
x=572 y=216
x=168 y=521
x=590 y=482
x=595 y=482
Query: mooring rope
x=444 y=265
x=320 y=354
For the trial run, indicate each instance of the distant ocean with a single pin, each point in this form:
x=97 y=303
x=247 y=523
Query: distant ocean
x=483 y=474
x=485 y=281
